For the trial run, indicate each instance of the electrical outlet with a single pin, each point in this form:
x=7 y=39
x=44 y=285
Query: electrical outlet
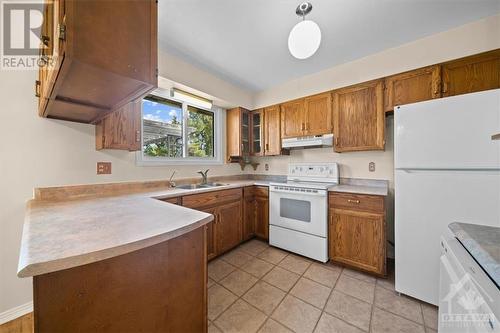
x=266 y=167
x=371 y=166
x=103 y=168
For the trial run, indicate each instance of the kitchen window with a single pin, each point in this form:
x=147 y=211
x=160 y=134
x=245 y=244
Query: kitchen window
x=177 y=132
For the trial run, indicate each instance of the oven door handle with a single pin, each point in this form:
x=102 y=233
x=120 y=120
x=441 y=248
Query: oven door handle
x=319 y=193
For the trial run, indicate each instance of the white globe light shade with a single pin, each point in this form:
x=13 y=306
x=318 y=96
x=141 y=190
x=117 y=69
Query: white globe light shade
x=304 y=39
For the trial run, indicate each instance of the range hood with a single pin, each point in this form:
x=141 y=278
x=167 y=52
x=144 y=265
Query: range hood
x=316 y=141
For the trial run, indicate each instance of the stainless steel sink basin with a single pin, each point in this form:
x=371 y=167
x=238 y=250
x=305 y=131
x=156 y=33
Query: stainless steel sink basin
x=196 y=186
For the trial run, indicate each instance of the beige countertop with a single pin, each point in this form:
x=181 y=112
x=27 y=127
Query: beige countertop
x=61 y=234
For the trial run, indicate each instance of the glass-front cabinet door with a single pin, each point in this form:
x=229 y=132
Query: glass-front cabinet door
x=257 y=128
x=245 y=132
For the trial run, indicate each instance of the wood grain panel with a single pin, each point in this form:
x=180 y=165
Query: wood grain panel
x=262 y=217
x=292 y=119
x=90 y=70
x=23 y=324
x=211 y=232
x=248 y=212
x=121 y=129
x=360 y=202
x=228 y=226
x=357 y=239
x=161 y=288
x=272 y=133
x=261 y=191
x=175 y=201
x=359 y=118
x=233 y=130
x=318 y=110
x=475 y=73
x=413 y=86
x=211 y=198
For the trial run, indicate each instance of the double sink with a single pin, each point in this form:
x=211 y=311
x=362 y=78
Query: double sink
x=197 y=186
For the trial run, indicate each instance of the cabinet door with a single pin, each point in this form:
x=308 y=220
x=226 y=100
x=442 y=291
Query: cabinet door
x=357 y=239
x=248 y=217
x=233 y=133
x=257 y=132
x=471 y=74
x=228 y=226
x=411 y=87
x=292 y=119
x=262 y=217
x=211 y=242
x=121 y=129
x=272 y=133
x=359 y=117
x=318 y=110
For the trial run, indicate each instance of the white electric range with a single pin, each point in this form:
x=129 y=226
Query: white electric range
x=298 y=209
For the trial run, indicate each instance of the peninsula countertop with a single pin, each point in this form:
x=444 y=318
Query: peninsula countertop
x=65 y=233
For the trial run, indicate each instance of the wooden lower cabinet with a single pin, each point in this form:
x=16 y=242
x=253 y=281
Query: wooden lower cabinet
x=228 y=226
x=211 y=241
x=262 y=216
x=225 y=231
x=357 y=235
x=161 y=288
x=248 y=213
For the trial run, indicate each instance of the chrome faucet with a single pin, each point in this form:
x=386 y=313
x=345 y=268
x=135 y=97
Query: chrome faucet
x=172 y=183
x=203 y=176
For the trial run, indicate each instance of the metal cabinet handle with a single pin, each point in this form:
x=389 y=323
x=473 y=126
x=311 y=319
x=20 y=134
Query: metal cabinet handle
x=445 y=87
x=307 y=126
x=267 y=146
x=353 y=201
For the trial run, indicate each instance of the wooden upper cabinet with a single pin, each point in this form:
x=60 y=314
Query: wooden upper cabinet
x=358 y=117
x=272 y=132
x=472 y=74
x=413 y=86
x=238 y=132
x=318 y=114
x=120 y=129
x=103 y=55
x=292 y=119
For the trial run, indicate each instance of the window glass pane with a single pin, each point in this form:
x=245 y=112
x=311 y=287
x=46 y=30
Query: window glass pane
x=200 y=129
x=299 y=210
x=162 y=127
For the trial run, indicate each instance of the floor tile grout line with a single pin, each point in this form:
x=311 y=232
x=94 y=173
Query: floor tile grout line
x=400 y=316
x=328 y=298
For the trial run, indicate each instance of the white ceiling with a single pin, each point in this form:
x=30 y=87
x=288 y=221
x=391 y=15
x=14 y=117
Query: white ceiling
x=245 y=41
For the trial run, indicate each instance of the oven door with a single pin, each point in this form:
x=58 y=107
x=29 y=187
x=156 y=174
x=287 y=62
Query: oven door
x=305 y=212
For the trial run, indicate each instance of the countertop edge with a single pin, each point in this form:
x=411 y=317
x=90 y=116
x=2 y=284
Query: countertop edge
x=30 y=270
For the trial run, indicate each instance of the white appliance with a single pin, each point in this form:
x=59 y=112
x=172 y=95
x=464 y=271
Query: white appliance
x=298 y=209
x=314 y=141
x=469 y=301
x=447 y=169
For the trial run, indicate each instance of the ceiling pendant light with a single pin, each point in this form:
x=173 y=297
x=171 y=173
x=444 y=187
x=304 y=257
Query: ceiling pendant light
x=305 y=37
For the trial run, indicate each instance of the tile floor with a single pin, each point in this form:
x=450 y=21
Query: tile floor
x=258 y=288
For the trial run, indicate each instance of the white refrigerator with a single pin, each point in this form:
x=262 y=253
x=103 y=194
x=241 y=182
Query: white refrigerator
x=447 y=169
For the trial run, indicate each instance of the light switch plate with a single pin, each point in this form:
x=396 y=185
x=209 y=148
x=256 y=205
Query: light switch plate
x=103 y=168
x=371 y=166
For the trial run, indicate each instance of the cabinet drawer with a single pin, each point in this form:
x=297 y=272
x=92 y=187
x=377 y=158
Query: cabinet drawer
x=261 y=191
x=211 y=198
x=359 y=202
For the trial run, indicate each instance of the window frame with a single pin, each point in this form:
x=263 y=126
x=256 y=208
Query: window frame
x=142 y=160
